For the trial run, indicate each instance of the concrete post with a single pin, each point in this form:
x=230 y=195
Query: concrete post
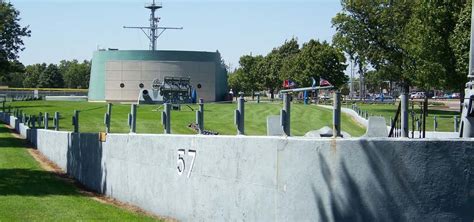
x=166 y=118
x=435 y=123
x=132 y=118
x=107 y=118
x=404 y=114
x=200 y=116
x=337 y=115
x=56 y=121
x=40 y=119
x=33 y=121
x=240 y=115
x=46 y=120
x=456 y=124
x=285 y=114
x=75 y=121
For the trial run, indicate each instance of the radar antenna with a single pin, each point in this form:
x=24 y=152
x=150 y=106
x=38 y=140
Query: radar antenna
x=153 y=33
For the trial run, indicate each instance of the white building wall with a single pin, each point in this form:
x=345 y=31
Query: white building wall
x=132 y=73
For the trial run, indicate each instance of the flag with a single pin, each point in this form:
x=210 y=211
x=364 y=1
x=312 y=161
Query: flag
x=288 y=84
x=323 y=82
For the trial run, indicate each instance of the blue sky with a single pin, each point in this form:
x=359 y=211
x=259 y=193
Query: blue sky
x=73 y=29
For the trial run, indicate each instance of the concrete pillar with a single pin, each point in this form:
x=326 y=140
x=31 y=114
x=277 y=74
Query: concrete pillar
x=108 y=118
x=56 y=121
x=404 y=114
x=239 y=117
x=46 y=120
x=75 y=121
x=132 y=118
x=337 y=115
x=285 y=114
x=200 y=116
x=166 y=118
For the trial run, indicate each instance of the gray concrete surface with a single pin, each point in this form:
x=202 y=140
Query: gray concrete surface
x=377 y=127
x=274 y=127
x=274 y=178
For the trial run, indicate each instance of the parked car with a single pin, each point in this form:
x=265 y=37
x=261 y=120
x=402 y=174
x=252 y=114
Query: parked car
x=417 y=95
x=455 y=95
x=384 y=99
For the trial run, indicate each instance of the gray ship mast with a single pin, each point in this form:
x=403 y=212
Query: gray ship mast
x=154 y=31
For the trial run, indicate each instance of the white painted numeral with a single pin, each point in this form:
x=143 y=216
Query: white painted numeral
x=193 y=154
x=181 y=165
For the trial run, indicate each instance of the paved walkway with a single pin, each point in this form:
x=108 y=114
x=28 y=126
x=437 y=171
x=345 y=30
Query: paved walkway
x=364 y=122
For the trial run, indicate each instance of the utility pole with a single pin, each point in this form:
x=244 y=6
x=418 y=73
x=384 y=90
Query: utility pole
x=153 y=30
x=467 y=116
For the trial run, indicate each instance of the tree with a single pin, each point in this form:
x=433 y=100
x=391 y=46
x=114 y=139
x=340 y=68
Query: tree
x=11 y=36
x=32 y=75
x=428 y=34
x=12 y=74
x=270 y=67
x=250 y=77
x=76 y=75
x=316 y=60
x=235 y=81
x=460 y=44
x=373 y=32
x=51 y=78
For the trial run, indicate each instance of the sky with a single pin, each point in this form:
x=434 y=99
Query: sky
x=73 y=29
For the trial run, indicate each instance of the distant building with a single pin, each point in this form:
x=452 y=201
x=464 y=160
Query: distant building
x=120 y=75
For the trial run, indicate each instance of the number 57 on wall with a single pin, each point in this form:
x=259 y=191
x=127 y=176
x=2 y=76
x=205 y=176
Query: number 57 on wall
x=181 y=163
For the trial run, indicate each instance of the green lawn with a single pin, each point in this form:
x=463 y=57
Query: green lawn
x=28 y=193
x=445 y=119
x=218 y=117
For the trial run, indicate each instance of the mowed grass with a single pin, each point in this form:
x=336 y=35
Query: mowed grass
x=28 y=193
x=445 y=119
x=218 y=117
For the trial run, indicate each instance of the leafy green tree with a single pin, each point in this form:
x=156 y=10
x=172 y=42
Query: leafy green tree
x=373 y=32
x=51 y=78
x=251 y=81
x=270 y=67
x=32 y=75
x=11 y=37
x=75 y=74
x=316 y=60
x=12 y=74
x=428 y=33
x=460 y=44
x=235 y=81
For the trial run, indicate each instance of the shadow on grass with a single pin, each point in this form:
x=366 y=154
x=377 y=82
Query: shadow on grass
x=10 y=141
x=27 y=182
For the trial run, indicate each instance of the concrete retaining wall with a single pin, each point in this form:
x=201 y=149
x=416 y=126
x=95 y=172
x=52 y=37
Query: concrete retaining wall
x=274 y=178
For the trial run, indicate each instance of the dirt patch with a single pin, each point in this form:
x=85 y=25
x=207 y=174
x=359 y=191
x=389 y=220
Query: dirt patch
x=49 y=166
